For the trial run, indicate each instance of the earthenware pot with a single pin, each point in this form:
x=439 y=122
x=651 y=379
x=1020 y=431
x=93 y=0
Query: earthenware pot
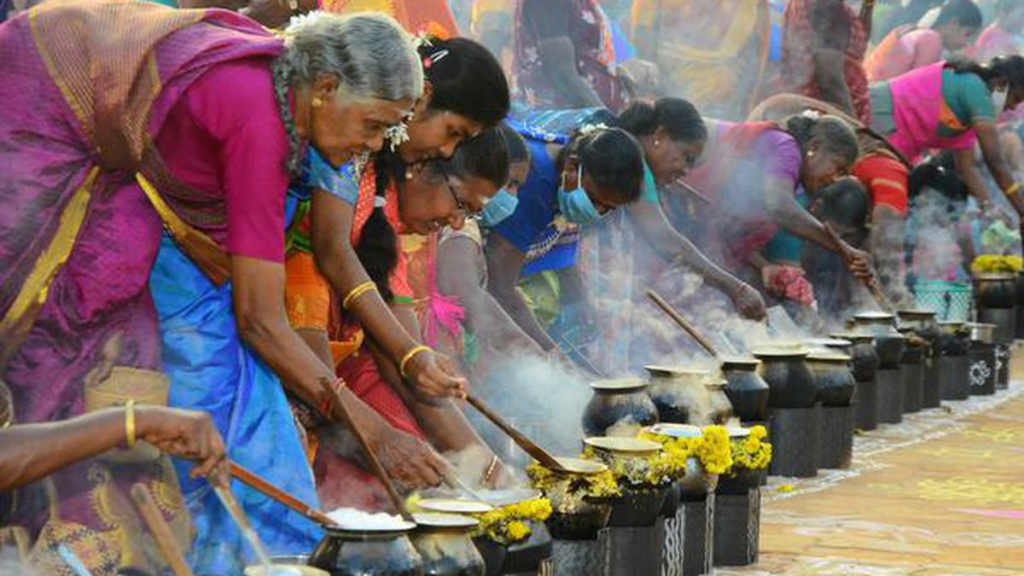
x=443 y=542
x=619 y=408
x=833 y=377
x=680 y=394
x=789 y=380
x=746 y=390
x=995 y=290
x=354 y=552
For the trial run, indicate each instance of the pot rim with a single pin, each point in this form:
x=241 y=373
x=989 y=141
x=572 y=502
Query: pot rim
x=829 y=357
x=454 y=506
x=440 y=521
x=779 y=353
x=854 y=337
x=740 y=361
x=622 y=445
x=995 y=276
x=654 y=369
x=874 y=315
x=619 y=384
x=916 y=314
x=828 y=342
x=673 y=430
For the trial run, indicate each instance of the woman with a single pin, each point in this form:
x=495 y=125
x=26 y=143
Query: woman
x=883 y=173
x=465 y=93
x=440 y=194
x=951 y=106
x=709 y=51
x=214 y=171
x=751 y=174
x=1002 y=36
x=907 y=48
x=564 y=56
x=823 y=49
x=571 y=183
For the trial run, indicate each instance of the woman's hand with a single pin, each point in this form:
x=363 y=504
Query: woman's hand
x=435 y=376
x=860 y=264
x=749 y=302
x=408 y=460
x=185 y=434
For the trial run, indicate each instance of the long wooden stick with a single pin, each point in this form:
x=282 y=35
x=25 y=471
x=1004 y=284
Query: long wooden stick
x=371 y=456
x=880 y=298
x=278 y=495
x=161 y=531
x=683 y=323
x=529 y=446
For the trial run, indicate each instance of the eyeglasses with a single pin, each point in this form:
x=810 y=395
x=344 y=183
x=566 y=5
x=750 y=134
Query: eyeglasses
x=459 y=203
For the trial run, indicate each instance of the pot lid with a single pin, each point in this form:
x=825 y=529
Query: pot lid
x=581 y=466
x=454 y=506
x=675 y=370
x=620 y=384
x=737 y=431
x=435 y=520
x=716 y=383
x=353 y=520
x=854 y=337
x=828 y=357
x=742 y=361
x=995 y=276
x=874 y=315
x=828 y=342
x=916 y=314
x=622 y=445
x=509 y=496
x=774 y=352
x=781 y=344
x=677 y=430
x=284 y=570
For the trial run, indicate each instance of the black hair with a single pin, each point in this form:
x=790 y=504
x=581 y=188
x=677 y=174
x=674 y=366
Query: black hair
x=514 y=143
x=964 y=12
x=613 y=158
x=939 y=174
x=845 y=202
x=831 y=133
x=483 y=156
x=1008 y=68
x=466 y=80
x=678 y=117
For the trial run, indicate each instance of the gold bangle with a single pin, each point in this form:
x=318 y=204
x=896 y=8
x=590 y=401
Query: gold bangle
x=409 y=355
x=357 y=292
x=491 y=467
x=129 y=424
x=1013 y=189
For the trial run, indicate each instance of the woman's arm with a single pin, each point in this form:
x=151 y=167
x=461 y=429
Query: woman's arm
x=338 y=262
x=654 y=227
x=29 y=452
x=991 y=149
x=504 y=263
x=784 y=210
x=484 y=317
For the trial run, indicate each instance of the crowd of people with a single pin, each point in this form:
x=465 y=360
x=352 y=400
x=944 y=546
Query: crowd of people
x=222 y=218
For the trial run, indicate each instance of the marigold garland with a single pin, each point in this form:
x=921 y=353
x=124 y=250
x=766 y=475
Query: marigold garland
x=712 y=448
x=752 y=452
x=567 y=491
x=989 y=263
x=509 y=524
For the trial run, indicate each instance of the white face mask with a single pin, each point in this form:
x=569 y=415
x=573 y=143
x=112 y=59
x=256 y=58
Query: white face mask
x=999 y=99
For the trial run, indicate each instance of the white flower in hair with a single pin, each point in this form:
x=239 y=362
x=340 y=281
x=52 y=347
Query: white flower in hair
x=421 y=39
x=396 y=135
x=588 y=129
x=811 y=114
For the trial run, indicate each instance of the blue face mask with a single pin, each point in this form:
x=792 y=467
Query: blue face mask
x=575 y=205
x=498 y=208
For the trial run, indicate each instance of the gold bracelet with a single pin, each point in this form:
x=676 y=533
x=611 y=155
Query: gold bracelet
x=1013 y=189
x=491 y=467
x=129 y=424
x=409 y=355
x=357 y=292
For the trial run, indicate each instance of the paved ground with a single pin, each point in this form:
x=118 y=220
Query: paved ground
x=940 y=494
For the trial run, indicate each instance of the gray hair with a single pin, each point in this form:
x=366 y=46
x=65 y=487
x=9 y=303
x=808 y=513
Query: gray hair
x=369 y=53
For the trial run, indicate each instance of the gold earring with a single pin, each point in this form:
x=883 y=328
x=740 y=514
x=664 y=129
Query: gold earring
x=317 y=102
x=810 y=153
x=657 y=143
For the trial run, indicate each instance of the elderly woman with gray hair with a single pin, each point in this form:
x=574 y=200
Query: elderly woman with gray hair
x=147 y=159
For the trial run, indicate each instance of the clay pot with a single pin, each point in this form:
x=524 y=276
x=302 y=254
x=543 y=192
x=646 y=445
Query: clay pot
x=445 y=546
x=680 y=394
x=352 y=552
x=832 y=374
x=721 y=408
x=619 y=408
x=789 y=380
x=696 y=483
x=888 y=341
x=746 y=390
x=995 y=290
x=920 y=322
x=865 y=361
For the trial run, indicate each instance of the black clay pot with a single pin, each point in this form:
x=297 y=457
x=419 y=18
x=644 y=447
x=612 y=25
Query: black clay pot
x=526 y=556
x=638 y=507
x=680 y=394
x=493 y=554
x=747 y=391
x=996 y=290
x=914 y=354
x=1020 y=287
x=355 y=553
x=673 y=500
x=583 y=523
x=619 y=407
x=446 y=548
x=790 y=383
x=739 y=482
x=919 y=322
x=833 y=377
x=888 y=341
x=863 y=354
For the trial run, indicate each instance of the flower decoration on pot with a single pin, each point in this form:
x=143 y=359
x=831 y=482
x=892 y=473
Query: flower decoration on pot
x=993 y=263
x=567 y=491
x=751 y=452
x=510 y=524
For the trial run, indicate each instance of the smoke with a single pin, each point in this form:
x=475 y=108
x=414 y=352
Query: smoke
x=933 y=240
